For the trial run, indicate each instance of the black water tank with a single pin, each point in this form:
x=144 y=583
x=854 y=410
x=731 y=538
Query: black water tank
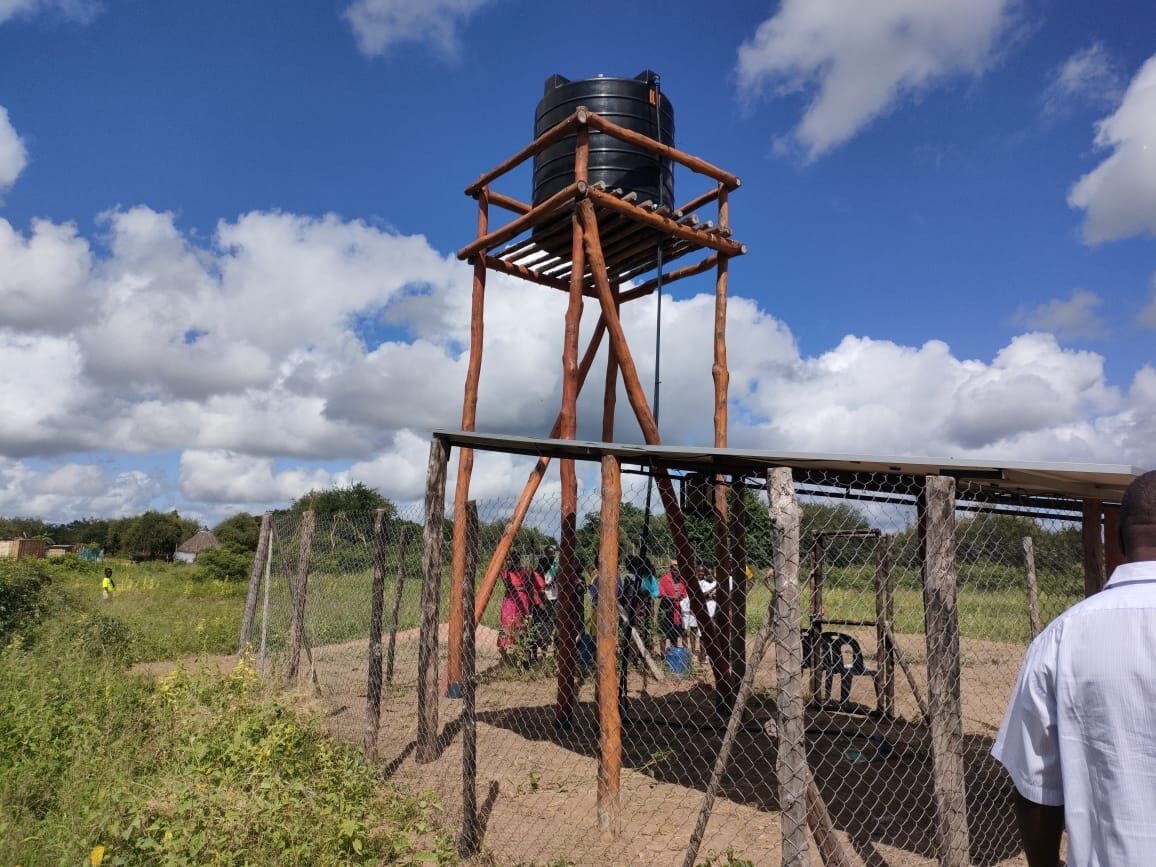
x=635 y=103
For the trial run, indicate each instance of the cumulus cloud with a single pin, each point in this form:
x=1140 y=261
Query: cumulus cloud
x=1088 y=77
x=381 y=25
x=70 y=491
x=1119 y=195
x=858 y=60
x=78 y=11
x=1073 y=318
x=13 y=154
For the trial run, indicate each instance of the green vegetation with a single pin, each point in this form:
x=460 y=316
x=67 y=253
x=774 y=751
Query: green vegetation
x=98 y=765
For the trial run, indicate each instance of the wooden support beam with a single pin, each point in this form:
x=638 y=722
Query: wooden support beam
x=662 y=224
x=502 y=549
x=466 y=460
x=520 y=224
x=260 y=560
x=524 y=273
x=884 y=614
x=471 y=827
x=644 y=289
x=695 y=164
x=1113 y=550
x=376 y=616
x=1033 y=588
x=818 y=551
x=395 y=609
x=300 y=584
x=555 y=133
x=1093 y=547
x=427 y=649
x=606 y=618
x=700 y=200
x=740 y=559
x=503 y=201
x=943 y=684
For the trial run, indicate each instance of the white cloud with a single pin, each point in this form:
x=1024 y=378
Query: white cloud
x=45 y=278
x=1088 y=77
x=226 y=477
x=13 y=154
x=1119 y=195
x=861 y=59
x=78 y=11
x=66 y=492
x=1073 y=318
x=381 y=25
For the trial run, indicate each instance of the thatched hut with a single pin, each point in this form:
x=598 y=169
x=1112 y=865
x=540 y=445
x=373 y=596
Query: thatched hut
x=202 y=540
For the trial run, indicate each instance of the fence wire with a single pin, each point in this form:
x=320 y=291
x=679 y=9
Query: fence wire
x=866 y=774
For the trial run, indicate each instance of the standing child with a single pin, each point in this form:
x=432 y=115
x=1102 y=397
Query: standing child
x=107 y=585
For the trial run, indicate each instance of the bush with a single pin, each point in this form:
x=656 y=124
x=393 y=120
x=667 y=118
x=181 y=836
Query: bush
x=230 y=562
x=20 y=584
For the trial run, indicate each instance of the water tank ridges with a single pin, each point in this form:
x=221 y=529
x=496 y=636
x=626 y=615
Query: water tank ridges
x=635 y=103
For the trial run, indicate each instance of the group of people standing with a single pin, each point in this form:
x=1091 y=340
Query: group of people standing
x=648 y=604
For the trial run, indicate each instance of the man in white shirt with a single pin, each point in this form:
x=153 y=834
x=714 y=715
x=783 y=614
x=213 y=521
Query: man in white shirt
x=1079 y=737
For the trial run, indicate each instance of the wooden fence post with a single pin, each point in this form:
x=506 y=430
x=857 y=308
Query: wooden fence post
x=427 y=650
x=791 y=764
x=942 y=633
x=468 y=843
x=1113 y=552
x=395 y=610
x=818 y=546
x=1033 y=589
x=297 y=623
x=255 y=576
x=884 y=615
x=376 y=604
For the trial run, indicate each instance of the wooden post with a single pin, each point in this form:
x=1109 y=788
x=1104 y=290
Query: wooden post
x=1093 y=547
x=818 y=551
x=468 y=843
x=606 y=618
x=907 y=673
x=260 y=560
x=569 y=611
x=737 y=598
x=297 y=622
x=884 y=615
x=942 y=632
x=264 y=660
x=395 y=609
x=427 y=650
x=466 y=459
x=376 y=606
x=1033 y=589
x=502 y=549
x=1113 y=552
x=791 y=763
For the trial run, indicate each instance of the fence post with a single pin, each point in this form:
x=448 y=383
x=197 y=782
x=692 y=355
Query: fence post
x=817 y=553
x=791 y=764
x=1093 y=547
x=606 y=617
x=427 y=650
x=297 y=623
x=942 y=635
x=395 y=611
x=1033 y=589
x=255 y=576
x=884 y=615
x=376 y=603
x=468 y=844
x=1113 y=553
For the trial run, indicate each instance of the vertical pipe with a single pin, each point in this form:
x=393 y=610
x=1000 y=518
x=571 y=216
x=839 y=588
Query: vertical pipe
x=468 y=843
x=609 y=721
x=259 y=559
x=427 y=649
x=569 y=595
x=1093 y=547
x=466 y=457
x=376 y=606
x=943 y=685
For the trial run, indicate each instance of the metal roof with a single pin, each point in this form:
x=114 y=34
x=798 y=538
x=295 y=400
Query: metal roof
x=997 y=480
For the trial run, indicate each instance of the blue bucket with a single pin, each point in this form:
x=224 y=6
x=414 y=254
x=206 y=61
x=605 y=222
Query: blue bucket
x=678 y=660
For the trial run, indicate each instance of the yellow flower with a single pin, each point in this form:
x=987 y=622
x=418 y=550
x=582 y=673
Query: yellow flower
x=96 y=856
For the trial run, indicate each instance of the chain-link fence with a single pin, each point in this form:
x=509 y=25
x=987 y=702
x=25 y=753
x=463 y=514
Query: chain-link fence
x=867 y=742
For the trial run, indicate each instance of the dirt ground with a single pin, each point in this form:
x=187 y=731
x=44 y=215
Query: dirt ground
x=537 y=785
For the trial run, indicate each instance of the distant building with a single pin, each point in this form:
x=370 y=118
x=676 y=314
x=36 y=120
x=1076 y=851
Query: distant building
x=202 y=540
x=21 y=549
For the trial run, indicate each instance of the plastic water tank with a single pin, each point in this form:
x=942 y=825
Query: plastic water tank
x=635 y=103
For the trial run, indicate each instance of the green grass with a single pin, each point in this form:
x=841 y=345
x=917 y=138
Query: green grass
x=98 y=765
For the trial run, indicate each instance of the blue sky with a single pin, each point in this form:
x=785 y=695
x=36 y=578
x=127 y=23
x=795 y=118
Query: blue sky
x=227 y=234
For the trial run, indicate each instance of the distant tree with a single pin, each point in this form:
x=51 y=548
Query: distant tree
x=358 y=497
x=630 y=521
x=155 y=535
x=242 y=530
x=24 y=528
x=82 y=531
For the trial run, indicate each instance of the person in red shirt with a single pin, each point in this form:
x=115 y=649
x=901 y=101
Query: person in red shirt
x=521 y=598
x=671 y=592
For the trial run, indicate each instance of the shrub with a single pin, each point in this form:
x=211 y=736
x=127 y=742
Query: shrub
x=230 y=562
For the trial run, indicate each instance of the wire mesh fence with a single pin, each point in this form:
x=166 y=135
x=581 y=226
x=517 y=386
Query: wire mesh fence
x=859 y=612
